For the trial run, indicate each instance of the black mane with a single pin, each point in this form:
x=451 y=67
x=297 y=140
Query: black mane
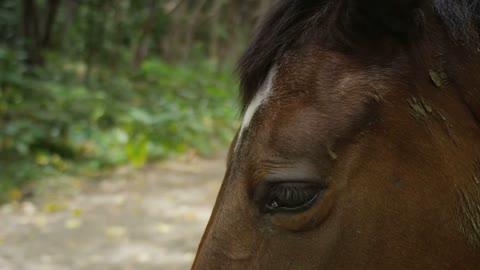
x=462 y=19
x=284 y=25
x=290 y=20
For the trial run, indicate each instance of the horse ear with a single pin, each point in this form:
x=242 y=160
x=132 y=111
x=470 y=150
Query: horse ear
x=360 y=19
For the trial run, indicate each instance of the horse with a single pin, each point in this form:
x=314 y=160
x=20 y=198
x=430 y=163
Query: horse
x=359 y=146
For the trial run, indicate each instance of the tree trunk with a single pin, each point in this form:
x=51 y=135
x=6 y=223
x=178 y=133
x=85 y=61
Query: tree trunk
x=193 y=23
x=141 y=50
x=119 y=22
x=70 y=11
x=31 y=33
x=171 y=41
x=52 y=11
x=214 y=39
x=94 y=37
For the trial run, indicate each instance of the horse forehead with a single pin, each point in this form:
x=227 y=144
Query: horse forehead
x=260 y=99
x=278 y=83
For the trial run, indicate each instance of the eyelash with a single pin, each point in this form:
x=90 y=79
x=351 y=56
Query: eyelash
x=290 y=197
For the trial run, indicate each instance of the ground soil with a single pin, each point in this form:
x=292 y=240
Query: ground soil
x=149 y=218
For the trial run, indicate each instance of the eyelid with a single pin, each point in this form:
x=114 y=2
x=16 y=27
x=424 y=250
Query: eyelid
x=307 y=179
x=288 y=171
x=263 y=195
x=281 y=180
x=302 y=207
x=261 y=191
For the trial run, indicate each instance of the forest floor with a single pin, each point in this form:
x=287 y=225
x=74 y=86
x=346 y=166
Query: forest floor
x=149 y=218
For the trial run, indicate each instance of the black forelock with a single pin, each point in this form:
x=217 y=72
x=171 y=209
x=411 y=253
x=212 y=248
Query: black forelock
x=284 y=24
x=462 y=19
x=289 y=20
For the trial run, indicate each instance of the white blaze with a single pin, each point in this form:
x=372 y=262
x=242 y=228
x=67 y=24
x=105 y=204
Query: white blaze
x=260 y=98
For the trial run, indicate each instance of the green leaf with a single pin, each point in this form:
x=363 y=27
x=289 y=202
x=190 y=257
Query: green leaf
x=137 y=151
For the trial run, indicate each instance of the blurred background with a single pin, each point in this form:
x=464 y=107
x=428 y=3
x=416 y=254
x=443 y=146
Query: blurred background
x=114 y=117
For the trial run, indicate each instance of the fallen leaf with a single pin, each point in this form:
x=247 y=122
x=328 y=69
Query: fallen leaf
x=119 y=200
x=15 y=195
x=190 y=217
x=53 y=207
x=172 y=197
x=189 y=256
x=164 y=228
x=41 y=221
x=73 y=223
x=77 y=183
x=144 y=258
x=115 y=231
x=76 y=212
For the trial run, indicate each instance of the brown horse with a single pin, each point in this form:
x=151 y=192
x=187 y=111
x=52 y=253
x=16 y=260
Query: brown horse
x=360 y=144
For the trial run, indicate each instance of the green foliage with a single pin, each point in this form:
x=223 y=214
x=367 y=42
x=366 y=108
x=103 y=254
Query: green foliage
x=9 y=20
x=89 y=84
x=54 y=122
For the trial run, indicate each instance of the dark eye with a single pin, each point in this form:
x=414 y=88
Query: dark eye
x=290 y=197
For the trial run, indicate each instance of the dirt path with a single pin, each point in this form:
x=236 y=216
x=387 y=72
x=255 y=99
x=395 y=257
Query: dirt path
x=151 y=218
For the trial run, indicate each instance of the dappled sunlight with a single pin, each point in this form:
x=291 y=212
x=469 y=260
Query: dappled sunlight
x=115 y=117
x=148 y=218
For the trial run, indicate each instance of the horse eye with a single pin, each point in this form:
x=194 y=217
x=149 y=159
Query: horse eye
x=290 y=197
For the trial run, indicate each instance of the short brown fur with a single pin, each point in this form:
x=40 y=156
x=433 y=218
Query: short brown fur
x=395 y=152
